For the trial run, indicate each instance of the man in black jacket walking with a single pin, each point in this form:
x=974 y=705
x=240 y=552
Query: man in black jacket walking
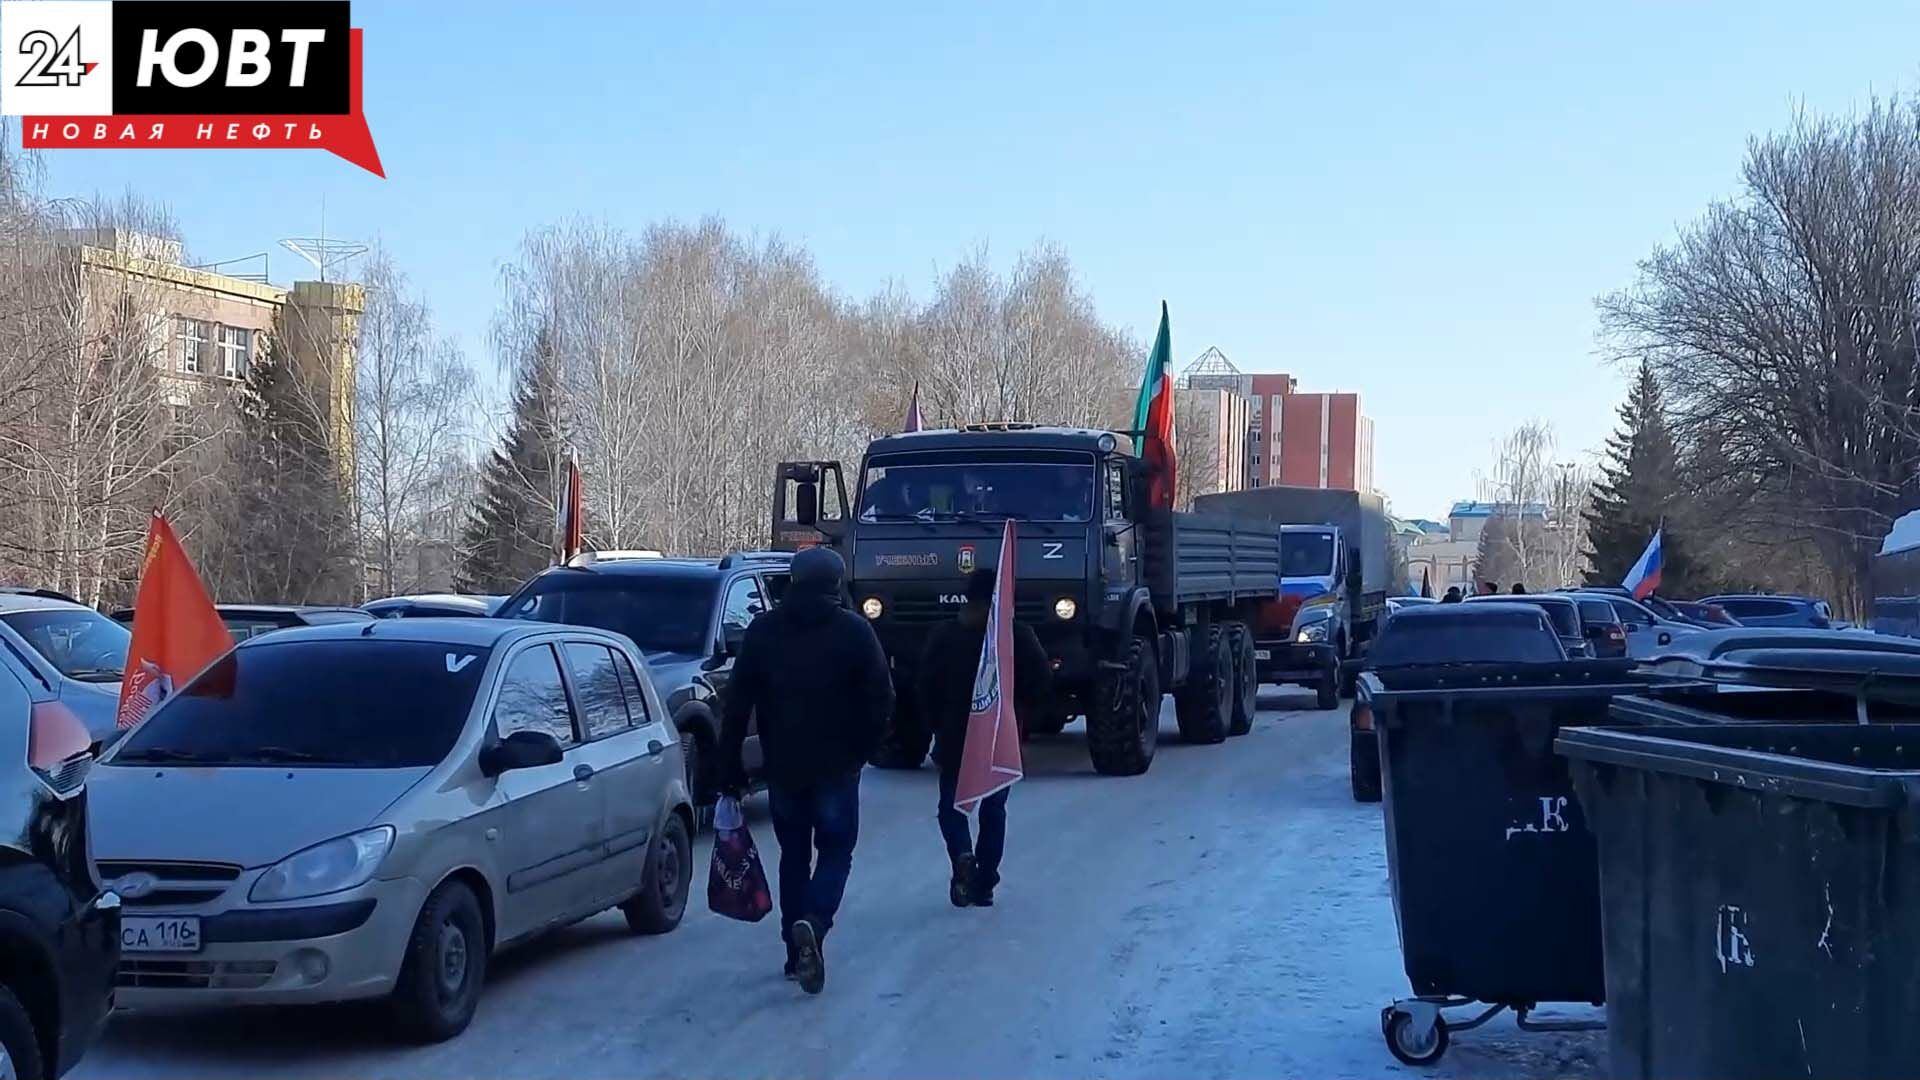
x=814 y=675
x=947 y=669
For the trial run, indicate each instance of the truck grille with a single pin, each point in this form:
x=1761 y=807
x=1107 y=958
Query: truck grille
x=195 y=974
x=176 y=884
x=929 y=609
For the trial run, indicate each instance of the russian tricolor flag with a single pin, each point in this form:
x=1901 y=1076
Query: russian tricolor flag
x=1644 y=578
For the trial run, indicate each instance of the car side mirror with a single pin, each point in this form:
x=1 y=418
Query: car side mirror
x=521 y=750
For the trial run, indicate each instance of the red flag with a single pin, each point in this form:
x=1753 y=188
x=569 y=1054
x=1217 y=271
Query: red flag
x=990 y=759
x=914 y=422
x=176 y=631
x=573 y=518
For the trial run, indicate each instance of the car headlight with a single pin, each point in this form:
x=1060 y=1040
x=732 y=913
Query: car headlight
x=1065 y=608
x=338 y=864
x=871 y=607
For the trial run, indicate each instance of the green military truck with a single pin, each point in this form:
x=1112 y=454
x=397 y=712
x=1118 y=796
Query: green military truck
x=1130 y=603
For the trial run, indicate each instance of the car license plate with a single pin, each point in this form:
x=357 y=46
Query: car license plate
x=168 y=933
x=1262 y=654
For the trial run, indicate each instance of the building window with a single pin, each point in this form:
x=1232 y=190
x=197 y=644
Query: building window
x=236 y=349
x=191 y=341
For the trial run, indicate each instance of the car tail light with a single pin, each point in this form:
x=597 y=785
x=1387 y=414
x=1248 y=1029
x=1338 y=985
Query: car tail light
x=1362 y=717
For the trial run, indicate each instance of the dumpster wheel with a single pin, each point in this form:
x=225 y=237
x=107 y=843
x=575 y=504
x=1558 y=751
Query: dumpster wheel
x=1415 y=1041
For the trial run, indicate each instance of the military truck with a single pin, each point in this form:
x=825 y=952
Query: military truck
x=1130 y=603
x=1337 y=560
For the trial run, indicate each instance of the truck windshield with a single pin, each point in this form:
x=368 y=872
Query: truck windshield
x=1306 y=554
x=948 y=490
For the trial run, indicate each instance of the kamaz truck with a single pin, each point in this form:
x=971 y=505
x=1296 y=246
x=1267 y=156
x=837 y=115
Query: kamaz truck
x=1130 y=603
x=1336 y=556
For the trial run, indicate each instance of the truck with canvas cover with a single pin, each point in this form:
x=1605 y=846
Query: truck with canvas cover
x=1336 y=566
x=1130 y=603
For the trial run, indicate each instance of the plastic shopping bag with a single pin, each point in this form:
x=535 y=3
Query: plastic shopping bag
x=736 y=882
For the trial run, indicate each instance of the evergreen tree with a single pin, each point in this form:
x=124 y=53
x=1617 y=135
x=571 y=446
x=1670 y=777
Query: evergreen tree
x=510 y=534
x=1638 y=489
x=290 y=537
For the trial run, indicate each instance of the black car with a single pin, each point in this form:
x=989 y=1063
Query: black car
x=1562 y=611
x=1495 y=631
x=1606 y=635
x=59 y=930
x=434 y=606
x=251 y=620
x=688 y=617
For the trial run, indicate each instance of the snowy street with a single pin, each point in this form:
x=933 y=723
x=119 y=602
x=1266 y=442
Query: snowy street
x=1226 y=914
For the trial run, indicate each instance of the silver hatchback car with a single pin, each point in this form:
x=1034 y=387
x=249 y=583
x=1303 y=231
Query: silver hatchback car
x=371 y=810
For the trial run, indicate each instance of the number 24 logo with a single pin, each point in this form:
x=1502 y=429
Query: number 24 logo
x=55 y=62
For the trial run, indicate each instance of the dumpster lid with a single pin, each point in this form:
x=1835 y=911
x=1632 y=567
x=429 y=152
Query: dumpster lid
x=1874 y=667
x=1872 y=767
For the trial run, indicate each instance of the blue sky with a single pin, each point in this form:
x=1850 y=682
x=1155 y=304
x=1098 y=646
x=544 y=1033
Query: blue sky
x=1416 y=202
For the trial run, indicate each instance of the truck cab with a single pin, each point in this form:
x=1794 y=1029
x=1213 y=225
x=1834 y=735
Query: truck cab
x=931 y=506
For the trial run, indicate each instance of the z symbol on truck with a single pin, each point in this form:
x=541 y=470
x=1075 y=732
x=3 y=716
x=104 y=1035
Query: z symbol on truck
x=1052 y=549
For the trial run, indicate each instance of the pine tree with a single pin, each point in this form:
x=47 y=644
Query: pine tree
x=1637 y=490
x=509 y=536
x=290 y=538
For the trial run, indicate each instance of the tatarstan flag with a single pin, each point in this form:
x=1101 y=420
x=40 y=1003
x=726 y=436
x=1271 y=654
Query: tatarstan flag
x=176 y=631
x=1153 y=415
x=990 y=757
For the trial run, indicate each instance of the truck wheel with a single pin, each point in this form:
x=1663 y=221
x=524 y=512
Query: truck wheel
x=1328 y=690
x=1363 y=763
x=907 y=740
x=1246 y=679
x=1204 y=706
x=1123 y=722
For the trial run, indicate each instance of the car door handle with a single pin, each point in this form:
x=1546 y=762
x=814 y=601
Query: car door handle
x=583 y=772
x=655 y=748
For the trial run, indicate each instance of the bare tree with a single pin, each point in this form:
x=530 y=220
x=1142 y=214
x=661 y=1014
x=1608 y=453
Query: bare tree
x=1516 y=544
x=412 y=390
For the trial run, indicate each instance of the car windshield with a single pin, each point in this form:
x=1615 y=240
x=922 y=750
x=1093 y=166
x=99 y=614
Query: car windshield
x=659 y=612
x=358 y=703
x=79 y=642
x=1029 y=490
x=1464 y=637
x=1306 y=554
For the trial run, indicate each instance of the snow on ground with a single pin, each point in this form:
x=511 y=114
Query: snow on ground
x=1225 y=915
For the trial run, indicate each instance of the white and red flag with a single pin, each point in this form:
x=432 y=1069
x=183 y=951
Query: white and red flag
x=990 y=758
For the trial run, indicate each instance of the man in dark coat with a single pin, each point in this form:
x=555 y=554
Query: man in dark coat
x=814 y=675
x=946 y=674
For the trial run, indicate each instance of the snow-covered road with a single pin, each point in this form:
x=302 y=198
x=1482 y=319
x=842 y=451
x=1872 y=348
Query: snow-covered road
x=1225 y=915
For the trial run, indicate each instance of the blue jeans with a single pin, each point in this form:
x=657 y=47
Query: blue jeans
x=959 y=837
x=826 y=819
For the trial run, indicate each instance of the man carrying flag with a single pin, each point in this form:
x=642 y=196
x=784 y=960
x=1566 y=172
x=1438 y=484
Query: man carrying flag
x=963 y=678
x=176 y=631
x=1644 y=579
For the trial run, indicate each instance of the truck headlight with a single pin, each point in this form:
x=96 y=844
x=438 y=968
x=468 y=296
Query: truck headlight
x=1064 y=608
x=338 y=864
x=872 y=608
x=1313 y=631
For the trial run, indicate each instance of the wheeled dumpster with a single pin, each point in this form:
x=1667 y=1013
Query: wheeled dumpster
x=1760 y=891
x=1493 y=870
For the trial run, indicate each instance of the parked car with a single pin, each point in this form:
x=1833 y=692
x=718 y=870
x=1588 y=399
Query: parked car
x=434 y=606
x=59 y=930
x=1493 y=631
x=371 y=810
x=1709 y=615
x=1561 y=611
x=688 y=616
x=1648 y=631
x=1396 y=603
x=251 y=620
x=1601 y=625
x=66 y=652
x=1761 y=610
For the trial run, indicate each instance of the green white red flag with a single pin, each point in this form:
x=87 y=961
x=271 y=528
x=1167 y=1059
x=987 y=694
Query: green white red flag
x=1153 y=417
x=990 y=758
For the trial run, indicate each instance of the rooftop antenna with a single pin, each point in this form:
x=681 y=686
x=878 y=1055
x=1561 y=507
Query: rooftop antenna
x=326 y=254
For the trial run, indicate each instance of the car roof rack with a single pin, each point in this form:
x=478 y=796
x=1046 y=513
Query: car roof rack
x=30 y=590
x=594 y=558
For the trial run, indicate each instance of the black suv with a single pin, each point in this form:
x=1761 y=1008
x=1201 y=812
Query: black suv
x=59 y=930
x=688 y=617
